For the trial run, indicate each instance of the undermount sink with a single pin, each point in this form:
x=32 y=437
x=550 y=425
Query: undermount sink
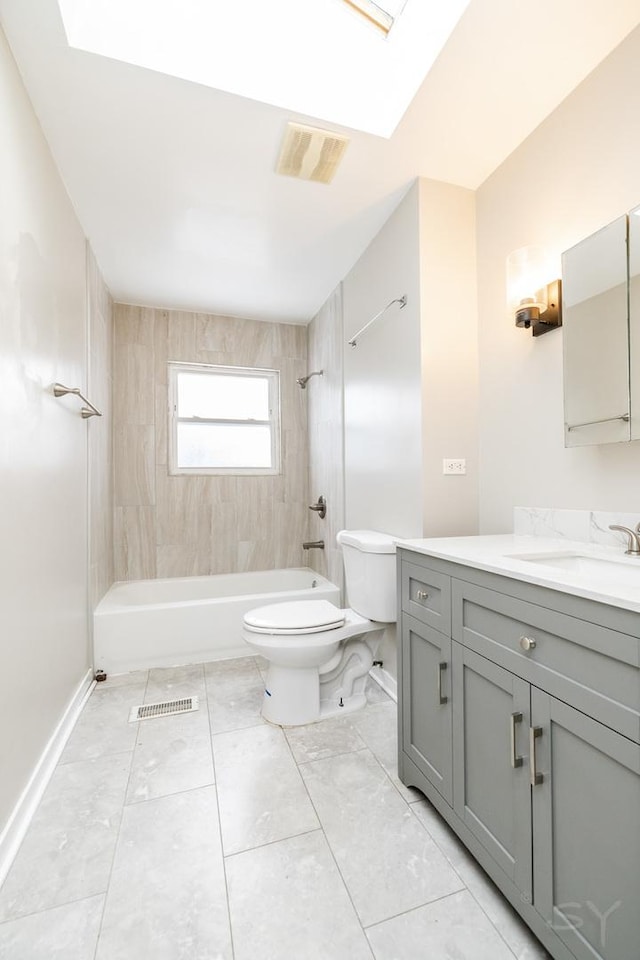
x=623 y=572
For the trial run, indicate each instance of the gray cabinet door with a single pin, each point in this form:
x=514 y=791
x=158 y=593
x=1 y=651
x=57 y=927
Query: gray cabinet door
x=586 y=827
x=426 y=702
x=491 y=789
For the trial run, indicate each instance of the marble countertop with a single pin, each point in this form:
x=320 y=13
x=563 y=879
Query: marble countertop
x=499 y=554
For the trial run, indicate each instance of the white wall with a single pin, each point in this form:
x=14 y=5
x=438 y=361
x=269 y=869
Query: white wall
x=410 y=385
x=43 y=443
x=449 y=357
x=574 y=174
x=382 y=381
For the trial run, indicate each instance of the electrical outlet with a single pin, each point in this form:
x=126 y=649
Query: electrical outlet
x=454 y=467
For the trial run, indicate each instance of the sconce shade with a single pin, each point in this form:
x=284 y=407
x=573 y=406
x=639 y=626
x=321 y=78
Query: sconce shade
x=533 y=302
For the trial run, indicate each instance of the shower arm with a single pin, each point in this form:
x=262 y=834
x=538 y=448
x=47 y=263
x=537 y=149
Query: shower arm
x=302 y=381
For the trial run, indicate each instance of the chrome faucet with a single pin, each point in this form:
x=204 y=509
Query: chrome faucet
x=319 y=545
x=633 y=548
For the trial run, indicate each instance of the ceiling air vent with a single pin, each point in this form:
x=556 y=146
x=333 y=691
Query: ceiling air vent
x=310 y=154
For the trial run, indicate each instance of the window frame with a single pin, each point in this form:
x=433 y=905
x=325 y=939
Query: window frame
x=174 y=369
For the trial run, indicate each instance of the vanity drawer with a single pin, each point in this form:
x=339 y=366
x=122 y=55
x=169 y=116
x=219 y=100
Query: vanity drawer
x=426 y=595
x=595 y=668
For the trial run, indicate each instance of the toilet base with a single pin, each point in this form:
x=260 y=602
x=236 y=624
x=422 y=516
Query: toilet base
x=299 y=695
x=291 y=696
x=331 y=708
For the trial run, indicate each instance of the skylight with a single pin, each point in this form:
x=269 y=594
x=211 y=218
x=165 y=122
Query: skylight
x=382 y=15
x=311 y=57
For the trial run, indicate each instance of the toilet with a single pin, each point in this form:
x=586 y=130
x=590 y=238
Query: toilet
x=320 y=655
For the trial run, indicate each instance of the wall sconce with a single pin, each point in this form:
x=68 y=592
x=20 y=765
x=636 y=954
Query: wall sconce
x=534 y=303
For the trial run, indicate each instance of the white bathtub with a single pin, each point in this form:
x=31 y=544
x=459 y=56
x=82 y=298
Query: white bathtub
x=161 y=623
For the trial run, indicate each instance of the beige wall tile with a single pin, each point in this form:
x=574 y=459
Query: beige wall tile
x=179 y=560
x=134 y=453
x=204 y=525
x=135 y=548
x=181 y=336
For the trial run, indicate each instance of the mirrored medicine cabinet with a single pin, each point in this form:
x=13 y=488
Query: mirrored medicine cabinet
x=601 y=335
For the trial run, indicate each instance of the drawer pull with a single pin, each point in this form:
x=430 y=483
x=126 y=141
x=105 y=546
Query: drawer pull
x=441 y=668
x=534 y=734
x=422 y=595
x=528 y=643
x=516 y=761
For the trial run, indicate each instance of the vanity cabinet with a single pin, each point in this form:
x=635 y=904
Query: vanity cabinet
x=492 y=795
x=586 y=831
x=427 y=721
x=539 y=772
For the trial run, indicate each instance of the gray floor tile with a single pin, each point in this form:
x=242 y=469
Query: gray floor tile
x=389 y=862
x=374 y=692
x=400 y=865
x=166 y=897
x=235 y=691
x=68 y=850
x=172 y=754
x=378 y=727
x=287 y=900
x=103 y=727
x=315 y=741
x=69 y=932
x=173 y=683
x=513 y=929
x=261 y=794
x=454 y=928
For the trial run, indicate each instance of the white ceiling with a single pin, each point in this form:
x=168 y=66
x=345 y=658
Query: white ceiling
x=173 y=182
x=316 y=57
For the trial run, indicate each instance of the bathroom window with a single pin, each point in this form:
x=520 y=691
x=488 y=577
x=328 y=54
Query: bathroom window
x=223 y=420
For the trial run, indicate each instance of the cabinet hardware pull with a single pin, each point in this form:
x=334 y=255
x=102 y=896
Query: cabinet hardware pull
x=536 y=778
x=528 y=643
x=422 y=595
x=516 y=761
x=441 y=668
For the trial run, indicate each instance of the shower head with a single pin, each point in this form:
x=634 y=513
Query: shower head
x=302 y=381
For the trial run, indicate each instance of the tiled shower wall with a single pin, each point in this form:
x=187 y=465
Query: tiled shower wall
x=169 y=526
x=100 y=433
x=326 y=429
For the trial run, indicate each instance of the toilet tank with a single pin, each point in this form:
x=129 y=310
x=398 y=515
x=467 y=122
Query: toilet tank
x=370 y=573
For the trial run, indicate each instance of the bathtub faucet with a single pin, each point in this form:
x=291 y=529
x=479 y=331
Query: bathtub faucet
x=313 y=545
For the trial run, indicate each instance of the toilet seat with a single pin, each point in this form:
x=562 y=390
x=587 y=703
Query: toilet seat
x=295 y=617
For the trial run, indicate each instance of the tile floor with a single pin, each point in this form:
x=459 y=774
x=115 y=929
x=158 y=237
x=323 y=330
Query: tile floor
x=215 y=836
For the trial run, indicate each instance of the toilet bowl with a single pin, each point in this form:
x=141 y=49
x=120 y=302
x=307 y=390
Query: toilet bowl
x=319 y=655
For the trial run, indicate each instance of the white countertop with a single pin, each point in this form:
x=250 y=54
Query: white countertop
x=496 y=555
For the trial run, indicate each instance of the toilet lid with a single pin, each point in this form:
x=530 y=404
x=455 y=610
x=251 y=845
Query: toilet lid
x=297 y=616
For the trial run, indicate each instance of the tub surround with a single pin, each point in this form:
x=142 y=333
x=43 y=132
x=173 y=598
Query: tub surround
x=180 y=526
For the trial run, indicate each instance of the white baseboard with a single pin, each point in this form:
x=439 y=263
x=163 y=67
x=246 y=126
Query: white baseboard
x=19 y=820
x=384 y=679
